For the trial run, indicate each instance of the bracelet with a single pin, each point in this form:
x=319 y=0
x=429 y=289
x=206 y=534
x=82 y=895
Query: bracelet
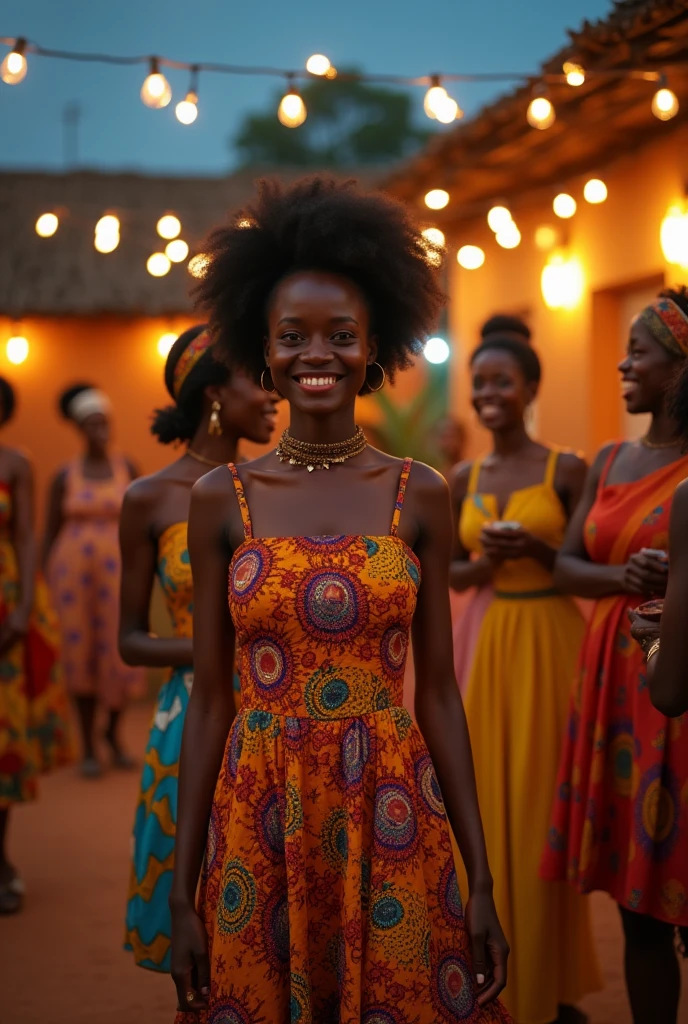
x=653 y=650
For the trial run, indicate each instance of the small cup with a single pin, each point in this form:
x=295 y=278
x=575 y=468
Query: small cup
x=505 y=524
x=651 y=610
x=659 y=553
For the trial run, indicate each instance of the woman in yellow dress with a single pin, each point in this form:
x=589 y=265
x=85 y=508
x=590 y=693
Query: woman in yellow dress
x=511 y=510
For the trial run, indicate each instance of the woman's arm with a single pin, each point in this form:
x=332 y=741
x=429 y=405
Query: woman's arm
x=208 y=720
x=667 y=671
x=464 y=572
x=137 y=645
x=54 y=516
x=16 y=624
x=440 y=715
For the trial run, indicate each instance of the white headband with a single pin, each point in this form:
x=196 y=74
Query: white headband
x=87 y=403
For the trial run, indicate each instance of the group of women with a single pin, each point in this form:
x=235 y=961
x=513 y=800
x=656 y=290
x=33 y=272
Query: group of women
x=321 y=820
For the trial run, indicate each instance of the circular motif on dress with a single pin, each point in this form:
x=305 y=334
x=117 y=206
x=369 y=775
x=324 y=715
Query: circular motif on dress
x=295 y=731
x=238 y=899
x=393 y=650
x=332 y=606
x=382 y=1015
x=249 y=572
x=413 y=571
x=621 y=753
x=326 y=694
x=269 y=825
x=324 y=544
x=236 y=744
x=276 y=929
x=396 y=831
x=293 y=810
x=212 y=841
x=230 y=1011
x=429 y=787
x=334 y=839
x=449 y=896
x=657 y=811
x=455 y=988
x=387 y=913
x=270 y=664
x=355 y=753
x=300 y=1000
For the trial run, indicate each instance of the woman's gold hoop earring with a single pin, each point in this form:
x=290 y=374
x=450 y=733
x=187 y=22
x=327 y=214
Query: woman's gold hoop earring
x=268 y=391
x=382 y=382
x=214 y=425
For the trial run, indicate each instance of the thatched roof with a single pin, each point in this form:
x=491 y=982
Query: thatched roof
x=498 y=155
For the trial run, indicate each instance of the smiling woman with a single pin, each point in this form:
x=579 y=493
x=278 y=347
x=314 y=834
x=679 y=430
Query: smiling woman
x=328 y=887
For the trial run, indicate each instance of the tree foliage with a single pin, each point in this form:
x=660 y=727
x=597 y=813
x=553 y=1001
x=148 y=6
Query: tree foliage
x=350 y=123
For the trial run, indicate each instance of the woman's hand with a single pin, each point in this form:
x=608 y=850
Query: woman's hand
x=643 y=631
x=646 y=573
x=14 y=628
x=489 y=946
x=500 y=544
x=190 y=961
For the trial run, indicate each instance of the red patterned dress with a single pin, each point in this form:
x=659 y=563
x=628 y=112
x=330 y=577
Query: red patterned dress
x=329 y=891
x=620 y=820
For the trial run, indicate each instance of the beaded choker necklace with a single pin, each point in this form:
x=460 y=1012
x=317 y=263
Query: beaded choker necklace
x=319 y=456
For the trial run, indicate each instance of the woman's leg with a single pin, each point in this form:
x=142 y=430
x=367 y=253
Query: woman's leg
x=86 y=709
x=653 y=977
x=10 y=885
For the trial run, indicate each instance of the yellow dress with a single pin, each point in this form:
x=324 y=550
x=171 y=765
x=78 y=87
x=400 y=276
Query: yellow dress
x=517 y=706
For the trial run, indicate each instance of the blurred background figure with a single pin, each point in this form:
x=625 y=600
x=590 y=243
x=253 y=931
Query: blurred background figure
x=449 y=440
x=504 y=325
x=519 y=647
x=82 y=561
x=212 y=410
x=35 y=726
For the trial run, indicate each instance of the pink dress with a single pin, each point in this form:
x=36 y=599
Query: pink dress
x=84 y=576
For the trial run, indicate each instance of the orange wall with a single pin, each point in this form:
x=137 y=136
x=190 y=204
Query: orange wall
x=618 y=246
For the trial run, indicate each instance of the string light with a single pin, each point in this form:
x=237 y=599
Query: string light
x=318 y=65
x=595 y=191
x=509 y=237
x=436 y=199
x=292 y=110
x=562 y=282
x=107 y=233
x=434 y=97
x=106 y=243
x=435 y=236
x=546 y=237
x=155 y=91
x=470 y=257
x=498 y=217
x=186 y=110
x=575 y=75
x=14 y=67
x=165 y=343
x=158 y=264
x=17 y=349
x=198 y=265
x=177 y=251
x=169 y=226
x=673 y=236
x=448 y=111
x=664 y=101
x=564 y=206
x=541 y=113
x=46 y=225
x=436 y=350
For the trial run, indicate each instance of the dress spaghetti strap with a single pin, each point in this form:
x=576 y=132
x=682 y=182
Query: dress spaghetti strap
x=608 y=465
x=403 y=480
x=243 y=504
x=551 y=468
x=474 y=476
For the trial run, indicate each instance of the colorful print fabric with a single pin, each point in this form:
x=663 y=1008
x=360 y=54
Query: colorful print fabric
x=620 y=820
x=329 y=891
x=35 y=722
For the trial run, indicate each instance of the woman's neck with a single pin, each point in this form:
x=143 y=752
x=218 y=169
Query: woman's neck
x=339 y=426
x=662 y=428
x=511 y=440
x=221 y=449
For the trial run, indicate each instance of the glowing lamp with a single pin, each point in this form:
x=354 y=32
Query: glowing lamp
x=470 y=257
x=673 y=236
x=169 y=226
x=509 y=237
x=17 y=349
x=165 y=343
x=541 y=113
x=158 y=264
x=198 y=265
x=292 y=110
x=435 y=236
x=498 y=218
x=562 y=282
x=575 y=75
x=155 y=91
x=564 y=206
x=436 y=199
x=665 y=104
x=46 y=225
x=186 y=110
x=434 y=98
x=14 y=67
x=318 y=65
x=108 y=225
x=436 y=350
x=177 y=251
x=546 y=237
x=595 y=191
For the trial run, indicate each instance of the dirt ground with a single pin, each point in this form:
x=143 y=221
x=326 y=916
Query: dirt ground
x=61 y=960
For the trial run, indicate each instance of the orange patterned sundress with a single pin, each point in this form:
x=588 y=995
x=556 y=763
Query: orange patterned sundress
x=329 y=891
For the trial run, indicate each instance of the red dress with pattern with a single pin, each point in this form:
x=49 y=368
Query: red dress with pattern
x=620 y=820
x=329 y=891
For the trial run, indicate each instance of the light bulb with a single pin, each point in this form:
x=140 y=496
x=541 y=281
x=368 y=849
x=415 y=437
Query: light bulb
x=665 y=104
x=165 y=343
x=155 y=91
x=158 y=264
x=186 y=110
x=14 y=67
x=673 y=236
x=562 y=282
x=106 y=241
x=575 y=75
x=436 y=350
x=541 y=113
x=434 y=246
x=436 y=199
x=509 y=237
x=434 y=98
x=595 y=191
x=17 y=349
x=108 y=225
x=169 y=226
x=318 y=64
x=46 y=225
x=177 y=251
x=564 y=205
x=198 y=265
x=434 y=235
x=292 y=110
x=470 y=257
x=546 y=237
x=448 y=111
x=498 y=217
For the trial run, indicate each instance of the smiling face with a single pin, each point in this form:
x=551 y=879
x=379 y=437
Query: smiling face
x=246 y=410
x=501 y=393
x=646 y=371
x=319 y=343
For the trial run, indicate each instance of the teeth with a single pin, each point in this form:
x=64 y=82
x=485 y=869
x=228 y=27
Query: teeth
x=317 y=381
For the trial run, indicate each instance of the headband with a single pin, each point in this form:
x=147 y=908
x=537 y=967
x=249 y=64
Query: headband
x=668 y=324
x=188 y=359
x=88 y=403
